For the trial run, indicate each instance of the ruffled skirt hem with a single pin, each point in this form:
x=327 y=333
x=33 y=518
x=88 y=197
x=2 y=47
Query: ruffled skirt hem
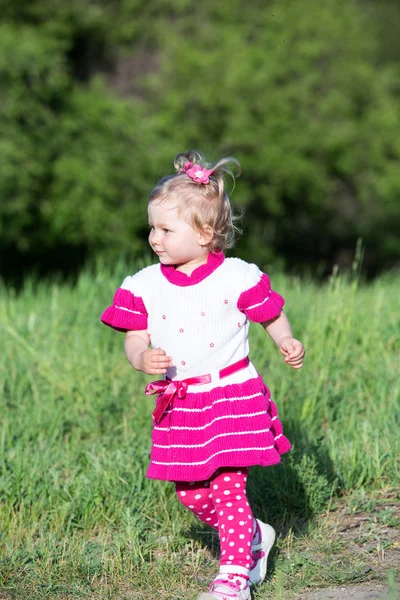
x=235 y=425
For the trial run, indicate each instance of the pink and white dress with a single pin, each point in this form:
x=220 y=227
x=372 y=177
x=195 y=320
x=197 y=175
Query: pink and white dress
x=202 y=322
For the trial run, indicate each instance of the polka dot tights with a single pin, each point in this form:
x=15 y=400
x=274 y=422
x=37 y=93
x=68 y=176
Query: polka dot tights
x=222 y=503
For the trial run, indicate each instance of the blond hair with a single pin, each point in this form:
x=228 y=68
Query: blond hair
x=203 y=205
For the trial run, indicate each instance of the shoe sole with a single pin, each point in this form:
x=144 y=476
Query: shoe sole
x=208 y=596
x=211 y=596
x=257 y=575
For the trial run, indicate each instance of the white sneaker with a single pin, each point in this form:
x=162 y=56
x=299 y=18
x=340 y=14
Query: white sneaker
x=227 y=587
x=260 y=552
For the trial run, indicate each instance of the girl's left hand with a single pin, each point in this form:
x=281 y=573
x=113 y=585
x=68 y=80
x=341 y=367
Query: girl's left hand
x=293 y=351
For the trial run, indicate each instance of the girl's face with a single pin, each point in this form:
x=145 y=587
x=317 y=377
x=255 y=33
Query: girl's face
x=173 y=239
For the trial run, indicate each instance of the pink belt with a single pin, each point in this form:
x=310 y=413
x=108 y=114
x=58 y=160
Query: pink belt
x=169 y=388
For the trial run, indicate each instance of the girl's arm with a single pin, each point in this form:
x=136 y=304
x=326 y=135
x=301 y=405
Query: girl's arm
x=280 y=331
x=151 y=361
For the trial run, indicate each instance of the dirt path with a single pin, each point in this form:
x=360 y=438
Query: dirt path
x=362 y=591
x=372 y=536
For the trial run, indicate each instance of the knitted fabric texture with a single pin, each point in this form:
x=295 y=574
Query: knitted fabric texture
x=202 y=322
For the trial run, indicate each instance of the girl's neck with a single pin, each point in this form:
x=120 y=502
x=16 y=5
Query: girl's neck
x=190 y=266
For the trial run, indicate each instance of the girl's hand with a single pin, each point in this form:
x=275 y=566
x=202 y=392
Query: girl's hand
x=293 y=351
x=154 y=361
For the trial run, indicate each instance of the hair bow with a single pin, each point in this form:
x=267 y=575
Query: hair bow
x=197 y=173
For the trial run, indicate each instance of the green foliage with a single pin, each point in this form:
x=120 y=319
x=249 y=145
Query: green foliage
x=34 y=80
x=294 y=90
x=72 y=168
x=295 y=93
x=100 y=175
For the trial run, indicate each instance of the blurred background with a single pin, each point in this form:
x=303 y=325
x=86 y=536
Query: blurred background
x=97 y=97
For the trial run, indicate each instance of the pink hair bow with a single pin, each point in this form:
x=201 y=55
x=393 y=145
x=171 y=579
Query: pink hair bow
x=197 y=173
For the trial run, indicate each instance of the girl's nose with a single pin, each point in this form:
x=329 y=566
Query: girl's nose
x=154 y=238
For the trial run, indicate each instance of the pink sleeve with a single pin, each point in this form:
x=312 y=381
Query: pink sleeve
x=260 y=303
x=127 y=313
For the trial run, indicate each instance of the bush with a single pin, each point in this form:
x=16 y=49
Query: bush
x=294 y=91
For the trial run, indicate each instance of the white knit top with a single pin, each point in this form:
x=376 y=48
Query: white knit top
x=201 y=320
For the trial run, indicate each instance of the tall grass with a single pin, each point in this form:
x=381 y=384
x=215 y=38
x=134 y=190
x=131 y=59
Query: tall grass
x=77 y=513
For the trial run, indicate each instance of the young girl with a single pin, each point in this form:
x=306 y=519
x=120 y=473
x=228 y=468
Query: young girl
x=213 y=417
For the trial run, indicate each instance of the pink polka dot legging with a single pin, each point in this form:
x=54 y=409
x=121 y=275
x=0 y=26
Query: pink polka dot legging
x=221 y=502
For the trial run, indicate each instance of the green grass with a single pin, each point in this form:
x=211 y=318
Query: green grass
x=79 y=519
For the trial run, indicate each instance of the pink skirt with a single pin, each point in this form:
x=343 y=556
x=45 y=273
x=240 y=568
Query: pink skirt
x=234 y=425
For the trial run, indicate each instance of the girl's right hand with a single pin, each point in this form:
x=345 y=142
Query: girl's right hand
x=154 y=361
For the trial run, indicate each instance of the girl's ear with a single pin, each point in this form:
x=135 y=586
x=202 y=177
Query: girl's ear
x=205 y=235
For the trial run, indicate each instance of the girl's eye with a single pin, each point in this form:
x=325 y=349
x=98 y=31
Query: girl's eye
x=166 y=230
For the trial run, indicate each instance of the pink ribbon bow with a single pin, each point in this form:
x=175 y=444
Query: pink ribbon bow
x=168 y=389
x=197 y=173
